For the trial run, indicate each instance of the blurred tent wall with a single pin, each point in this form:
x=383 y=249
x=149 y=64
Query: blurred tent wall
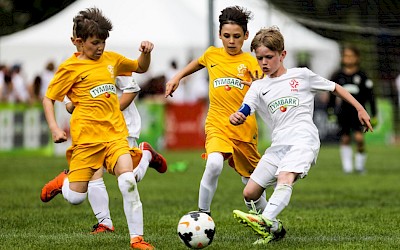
x=178 y=29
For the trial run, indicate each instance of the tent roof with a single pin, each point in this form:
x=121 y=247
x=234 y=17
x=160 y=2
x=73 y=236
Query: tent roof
x=178 y=29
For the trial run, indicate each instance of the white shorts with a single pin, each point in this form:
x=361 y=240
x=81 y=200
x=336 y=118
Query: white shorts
x=287 y=158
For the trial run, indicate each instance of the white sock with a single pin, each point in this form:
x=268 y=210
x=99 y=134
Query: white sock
x=259 y=204
x=141 y=169
x=279 y=200
x=98 y=199
x=360 y=159
x=346 y=154
x=72 y=197
x=209 y=181
x=132 y=204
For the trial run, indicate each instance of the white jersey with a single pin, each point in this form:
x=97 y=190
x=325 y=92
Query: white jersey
x=286 y=104
x=126 y=84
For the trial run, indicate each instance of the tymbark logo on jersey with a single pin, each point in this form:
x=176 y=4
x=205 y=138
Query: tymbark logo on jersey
x=283 y=103
x=228 y=83
x=105 y=89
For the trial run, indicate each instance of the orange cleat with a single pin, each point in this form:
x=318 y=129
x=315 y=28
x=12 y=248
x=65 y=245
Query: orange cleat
x=53 y=187
x=139 y=243
x=158 y=161
x=101 y=228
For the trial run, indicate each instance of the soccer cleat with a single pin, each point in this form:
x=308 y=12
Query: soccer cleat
x=53 y=187
x=157 y=162
x=280 y=233
x=139 y=243
x=254 y=220
x=205 y=211
x=263 y=240
x=101 y=228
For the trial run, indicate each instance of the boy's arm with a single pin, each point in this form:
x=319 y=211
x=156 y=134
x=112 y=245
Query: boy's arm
x=58 y=134
x=239 y=117
x=145 y=57
x=126 y=99
x=362 y=113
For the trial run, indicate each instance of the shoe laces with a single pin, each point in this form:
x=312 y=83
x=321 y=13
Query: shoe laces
x=253 y=209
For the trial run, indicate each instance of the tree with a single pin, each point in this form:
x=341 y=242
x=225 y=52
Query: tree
x=16 y=15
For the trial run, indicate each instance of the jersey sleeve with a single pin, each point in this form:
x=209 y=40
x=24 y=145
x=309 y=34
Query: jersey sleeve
x=125 y=65
x=59 y=85
x=202 y=60
x=252 y=97
x=66 y=100
x=319 y=83
x=127 y=84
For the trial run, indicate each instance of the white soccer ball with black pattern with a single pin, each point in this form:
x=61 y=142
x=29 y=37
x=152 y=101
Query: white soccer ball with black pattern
x=196 y=229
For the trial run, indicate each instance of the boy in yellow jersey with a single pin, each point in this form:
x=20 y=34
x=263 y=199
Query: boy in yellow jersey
x=98 y=129
x=228 y=68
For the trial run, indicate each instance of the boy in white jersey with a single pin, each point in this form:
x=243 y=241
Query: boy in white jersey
x=285 y=101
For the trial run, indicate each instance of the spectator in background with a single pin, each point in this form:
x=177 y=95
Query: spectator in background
x=34 y=89
x=356 y=81
x=397 y=110
x=180 y=93
x=7 y=89
x=3 y=69
x=46 y=77
x=20 y=93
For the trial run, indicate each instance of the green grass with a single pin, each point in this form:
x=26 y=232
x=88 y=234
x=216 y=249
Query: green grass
x=328 y=210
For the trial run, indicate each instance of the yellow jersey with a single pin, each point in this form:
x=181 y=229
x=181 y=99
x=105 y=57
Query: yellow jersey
x=90 y=85
x=226 y=92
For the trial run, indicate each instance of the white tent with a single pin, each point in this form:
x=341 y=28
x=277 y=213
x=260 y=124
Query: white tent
x=179 y=30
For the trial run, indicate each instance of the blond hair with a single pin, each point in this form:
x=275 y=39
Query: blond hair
x=269 y=37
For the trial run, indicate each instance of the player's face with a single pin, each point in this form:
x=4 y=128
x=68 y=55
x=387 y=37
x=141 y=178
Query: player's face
x=271 y=62
x=349 y=58
x=93 y=48
x=233 y=37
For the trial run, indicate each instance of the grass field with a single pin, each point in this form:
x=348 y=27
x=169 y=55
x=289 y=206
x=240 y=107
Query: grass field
x=328 y=210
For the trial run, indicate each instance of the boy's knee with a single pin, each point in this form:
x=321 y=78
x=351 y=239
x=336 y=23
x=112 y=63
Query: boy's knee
x=248 y=195
x=75 y=198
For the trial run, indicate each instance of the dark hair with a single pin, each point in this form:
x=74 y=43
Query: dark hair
x=235 y=15
x=353 y=48
x=37 y=83
x=91 y=22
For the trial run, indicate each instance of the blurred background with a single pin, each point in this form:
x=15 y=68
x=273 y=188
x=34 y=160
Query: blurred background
x=35 y=39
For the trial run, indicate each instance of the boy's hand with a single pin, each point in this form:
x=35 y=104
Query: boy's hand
x=59 y=135
x=146 y=47
x=170 y=87
x=253 y=78
x=365 y=120
x=237 y=118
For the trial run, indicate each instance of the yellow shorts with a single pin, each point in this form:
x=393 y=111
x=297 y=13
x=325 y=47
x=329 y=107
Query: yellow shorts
x=85 y=159
x=241 y=156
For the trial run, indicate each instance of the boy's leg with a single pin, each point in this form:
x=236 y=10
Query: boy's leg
x=99 y=201
x=131 y=200
x=209 y=181
x=75 y=192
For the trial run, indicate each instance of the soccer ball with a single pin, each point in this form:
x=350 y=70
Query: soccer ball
x=196 y=229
